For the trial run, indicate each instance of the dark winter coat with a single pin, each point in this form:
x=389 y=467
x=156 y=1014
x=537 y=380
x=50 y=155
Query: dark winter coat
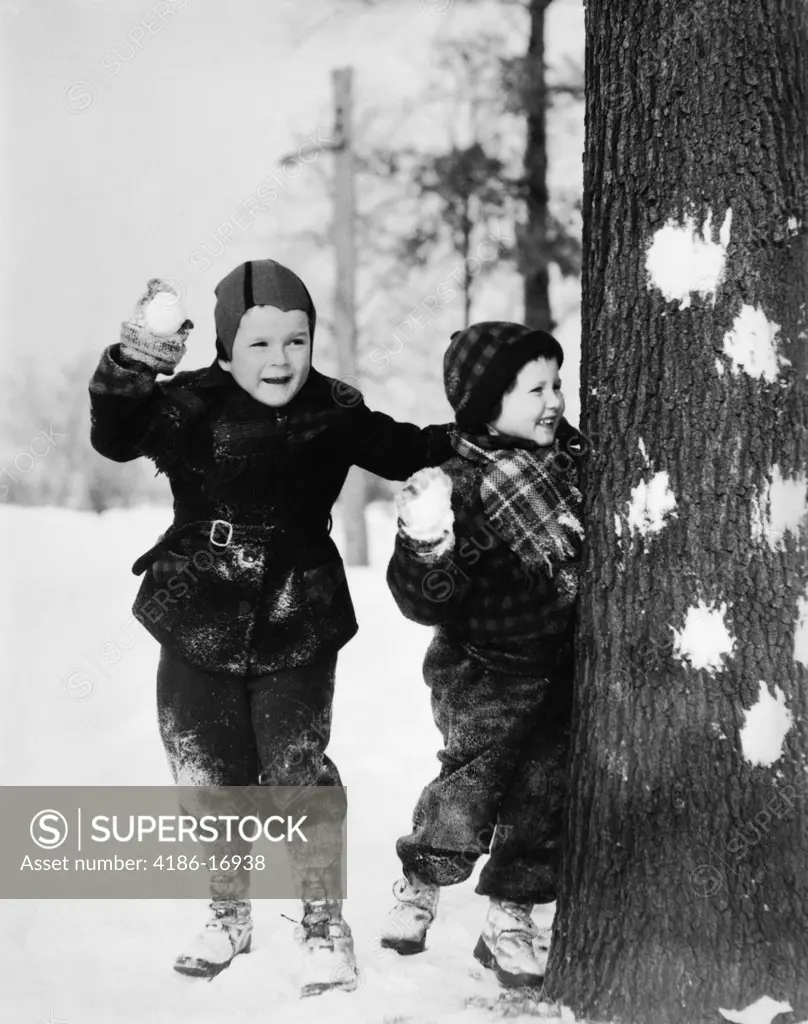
x=507 y=614
x=276 y=595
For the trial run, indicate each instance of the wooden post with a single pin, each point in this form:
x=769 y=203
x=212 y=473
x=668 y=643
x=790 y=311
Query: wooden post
x=353 y=498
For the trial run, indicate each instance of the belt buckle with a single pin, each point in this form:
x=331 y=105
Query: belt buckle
x=221 y=522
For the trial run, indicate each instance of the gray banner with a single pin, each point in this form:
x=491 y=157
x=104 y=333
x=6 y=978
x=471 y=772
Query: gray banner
x=172 y=842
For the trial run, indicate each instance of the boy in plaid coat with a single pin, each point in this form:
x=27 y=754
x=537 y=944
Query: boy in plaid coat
x=488 y=552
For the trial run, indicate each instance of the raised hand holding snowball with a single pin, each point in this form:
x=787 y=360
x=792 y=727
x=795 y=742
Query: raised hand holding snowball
x=424 y=505
x=157 y=331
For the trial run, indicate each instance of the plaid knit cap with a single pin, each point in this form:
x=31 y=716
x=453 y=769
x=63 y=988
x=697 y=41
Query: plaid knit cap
x=257 y=283
x=481 y=362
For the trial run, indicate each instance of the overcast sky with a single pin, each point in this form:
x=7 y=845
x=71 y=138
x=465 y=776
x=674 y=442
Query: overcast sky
x=135 y=128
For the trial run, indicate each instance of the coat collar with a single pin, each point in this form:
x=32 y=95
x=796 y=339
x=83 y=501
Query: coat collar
x=317 y=386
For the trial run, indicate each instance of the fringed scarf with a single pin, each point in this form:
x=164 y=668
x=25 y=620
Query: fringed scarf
x=529 y=497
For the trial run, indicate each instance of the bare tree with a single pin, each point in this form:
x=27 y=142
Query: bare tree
x=528 y=87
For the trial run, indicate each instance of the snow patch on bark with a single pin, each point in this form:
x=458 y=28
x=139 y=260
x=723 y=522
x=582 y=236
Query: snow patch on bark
x=781 y=508
x=679 y=262
x=801 y=632
x=644 y=453
x=751 y=344
x=719 y=368
x=650 y=504
x=704 y=640
x=762 y=1011
x=766 y=726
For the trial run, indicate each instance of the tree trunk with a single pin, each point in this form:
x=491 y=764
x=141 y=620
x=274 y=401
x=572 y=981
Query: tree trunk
x=685 y=883
x=534 y=255
x=354 y=494
x=467 y=275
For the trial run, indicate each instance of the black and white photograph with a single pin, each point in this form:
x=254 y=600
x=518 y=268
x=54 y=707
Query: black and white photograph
x=404 y=511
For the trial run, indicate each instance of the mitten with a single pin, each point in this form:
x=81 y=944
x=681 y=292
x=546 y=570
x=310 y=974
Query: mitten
x=156 y=332
x=424 y=506
x=168 y=564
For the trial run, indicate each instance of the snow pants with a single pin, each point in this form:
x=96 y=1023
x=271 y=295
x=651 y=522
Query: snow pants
x=271 y=730
x=502 y=784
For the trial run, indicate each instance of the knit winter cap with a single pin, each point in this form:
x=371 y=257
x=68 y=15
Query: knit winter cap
x=482 y=360
x=257 y=283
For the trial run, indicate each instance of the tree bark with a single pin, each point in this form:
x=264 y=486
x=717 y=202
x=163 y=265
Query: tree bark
x=685 y=882
x=468 y=280
x=534 y=256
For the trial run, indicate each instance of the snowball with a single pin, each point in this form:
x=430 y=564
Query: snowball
x=426 y=504
x=164 y=314
x=704 y=640
x=650 y=503
x=751 y=344
x=679 y=262
x=766 y=726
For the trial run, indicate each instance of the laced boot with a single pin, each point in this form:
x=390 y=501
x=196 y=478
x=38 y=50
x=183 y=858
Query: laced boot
x=509 y=944
x=328 y=952
x=405 y=927
x=227 y=933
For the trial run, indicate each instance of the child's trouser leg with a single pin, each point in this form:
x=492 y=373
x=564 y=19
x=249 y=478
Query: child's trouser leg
x=291 y=713
x=525 y=853
x=207 y=731
x=206 y=726
x=292 y=722
x=291 y=717
x=273 y=729
x=485 y=717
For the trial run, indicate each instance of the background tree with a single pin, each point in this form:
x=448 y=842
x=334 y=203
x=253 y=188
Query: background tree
x=498 y=100
x=684 y=888
x=543 y=238
x=469 y=189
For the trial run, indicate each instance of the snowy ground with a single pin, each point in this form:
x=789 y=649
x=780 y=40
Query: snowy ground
x=72 y=717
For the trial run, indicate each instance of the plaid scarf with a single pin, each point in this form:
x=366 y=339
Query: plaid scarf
x=529 y=497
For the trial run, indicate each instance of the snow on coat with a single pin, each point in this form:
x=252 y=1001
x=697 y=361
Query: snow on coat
x=272 y=594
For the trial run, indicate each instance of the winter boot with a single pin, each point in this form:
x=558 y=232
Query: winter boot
x=227 y=933
x=406 y=925
x=507 y=944
x=328 y=953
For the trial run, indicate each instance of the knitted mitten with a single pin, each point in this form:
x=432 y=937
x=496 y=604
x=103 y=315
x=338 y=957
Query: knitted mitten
x=157 y=330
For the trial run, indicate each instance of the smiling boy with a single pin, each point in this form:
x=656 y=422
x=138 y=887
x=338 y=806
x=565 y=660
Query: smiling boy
x=488 y=552
x=247 y=593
